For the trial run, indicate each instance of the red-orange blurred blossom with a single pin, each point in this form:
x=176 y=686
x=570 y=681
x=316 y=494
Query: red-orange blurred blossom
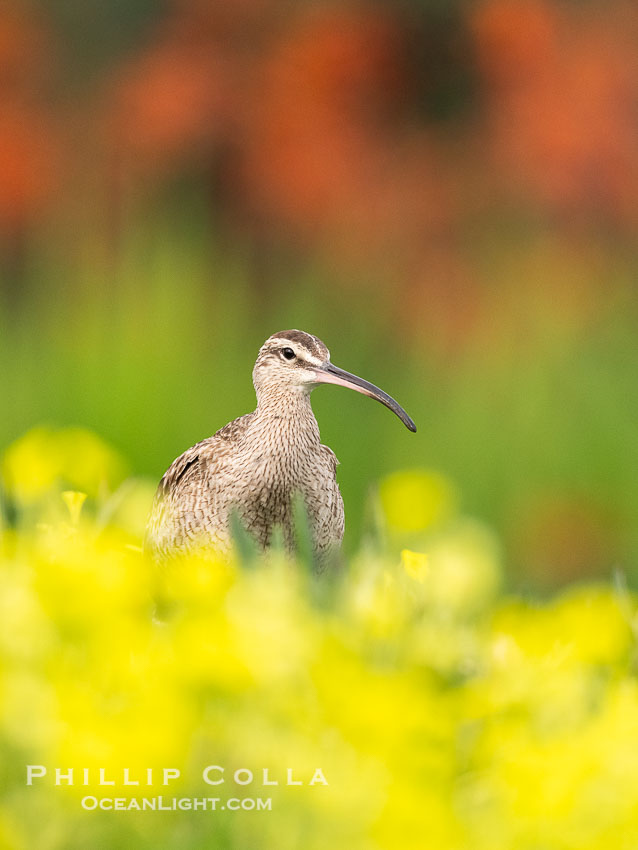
x=562 y=103
x=308 y=121
x=515 y=39
x=318 y=121
x=28 y=159
x=166 y=108
x=30 y=141
x=306 y=107
x=308 y=113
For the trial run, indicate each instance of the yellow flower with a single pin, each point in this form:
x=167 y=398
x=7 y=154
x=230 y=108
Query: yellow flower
x=74 y=500
x=47 y=458
x=511 y=729
x=465 y=566
x=417 y=499
x=416 y=564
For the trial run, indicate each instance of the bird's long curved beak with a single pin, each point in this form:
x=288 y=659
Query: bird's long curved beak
x=329 y=374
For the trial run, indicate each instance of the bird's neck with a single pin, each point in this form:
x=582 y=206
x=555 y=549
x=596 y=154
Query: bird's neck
x=288 y=414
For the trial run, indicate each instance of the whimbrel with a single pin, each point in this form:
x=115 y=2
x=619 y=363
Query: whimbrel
x=257 y=464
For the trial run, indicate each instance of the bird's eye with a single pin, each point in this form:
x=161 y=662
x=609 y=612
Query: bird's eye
x=288 y=353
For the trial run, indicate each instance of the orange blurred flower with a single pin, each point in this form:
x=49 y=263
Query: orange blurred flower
x=561 y=120
x=29 y=136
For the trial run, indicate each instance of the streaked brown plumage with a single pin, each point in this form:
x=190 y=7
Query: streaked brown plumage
x=256 y=464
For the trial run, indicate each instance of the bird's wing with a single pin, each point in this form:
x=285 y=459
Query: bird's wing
x=182 y=505
x=329 y=519
x=331 y=457
x=234 y=430
x=182 y=469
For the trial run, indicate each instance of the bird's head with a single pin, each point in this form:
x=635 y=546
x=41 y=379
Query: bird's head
x=296 y=362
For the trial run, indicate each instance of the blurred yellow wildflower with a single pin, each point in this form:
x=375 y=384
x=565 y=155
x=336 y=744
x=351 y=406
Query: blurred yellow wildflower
x=130 y=506
x=45 y=459
x=465 y=566
x=417 y=499
x=462 y=570
x=415 y=564
x=74 y=500
x=441 y=715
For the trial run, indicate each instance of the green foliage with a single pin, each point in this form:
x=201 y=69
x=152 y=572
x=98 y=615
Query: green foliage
x=534 y=421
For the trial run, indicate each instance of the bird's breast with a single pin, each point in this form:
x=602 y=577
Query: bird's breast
x=271 y=476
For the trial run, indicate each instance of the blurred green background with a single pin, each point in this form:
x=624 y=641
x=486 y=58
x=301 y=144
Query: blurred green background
x=446 y=193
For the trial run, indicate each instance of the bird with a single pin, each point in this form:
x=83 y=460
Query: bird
x=258 y=464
